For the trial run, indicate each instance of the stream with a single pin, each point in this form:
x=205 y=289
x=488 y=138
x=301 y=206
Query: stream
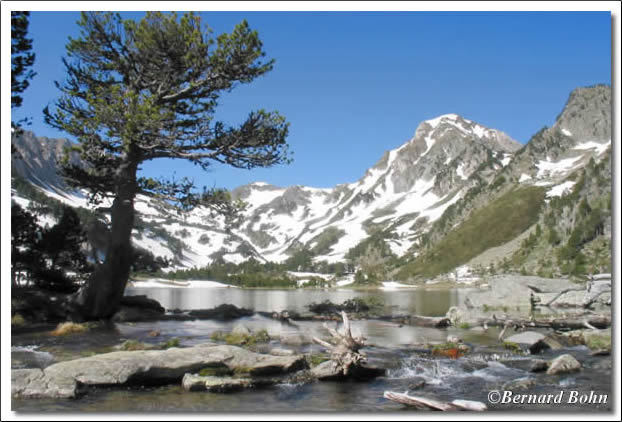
x=472 y=377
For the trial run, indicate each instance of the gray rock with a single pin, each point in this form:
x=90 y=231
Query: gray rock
x=327 y=371
x=25 y=358
x=192 y=382
x=224 y=312
x=533 y=341
x=282 y=352
x=519 y=384
x=241 y=329
x=295 y=339
x=62 y=380
x=563 y=364
x=539 y=365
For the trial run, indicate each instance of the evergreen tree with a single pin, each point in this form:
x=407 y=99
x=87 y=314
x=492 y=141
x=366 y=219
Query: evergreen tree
x=22 y=58
x=139 y=91
x=25 y=234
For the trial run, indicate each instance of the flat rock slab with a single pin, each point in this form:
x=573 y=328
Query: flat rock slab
x=192 y=382
x=150 y=367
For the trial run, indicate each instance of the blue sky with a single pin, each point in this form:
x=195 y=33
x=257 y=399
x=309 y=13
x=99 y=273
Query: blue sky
x=356 y=84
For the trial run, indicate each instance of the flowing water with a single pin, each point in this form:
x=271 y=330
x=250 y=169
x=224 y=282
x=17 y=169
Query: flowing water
x=472 y=377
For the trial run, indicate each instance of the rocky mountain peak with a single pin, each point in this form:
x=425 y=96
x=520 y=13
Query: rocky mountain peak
x=587 y=114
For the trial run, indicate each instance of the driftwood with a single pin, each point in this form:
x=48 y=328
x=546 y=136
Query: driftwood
x=423 y=403
x=418 y=320
x=345 y=353
x=559 y=324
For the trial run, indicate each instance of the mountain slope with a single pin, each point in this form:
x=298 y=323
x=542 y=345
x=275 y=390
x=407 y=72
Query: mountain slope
x=551 y=162
x=451 y=182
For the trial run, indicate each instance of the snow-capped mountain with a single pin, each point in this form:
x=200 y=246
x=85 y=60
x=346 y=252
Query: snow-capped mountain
x=401 y=196
x=410 y=186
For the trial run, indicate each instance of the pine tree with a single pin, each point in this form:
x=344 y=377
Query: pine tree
x=139 y=91
x=22 y=58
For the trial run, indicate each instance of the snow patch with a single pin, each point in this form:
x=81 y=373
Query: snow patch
x=193 y=284
x=550 y=168
x=600 y=148
x=560 y=189
x=566 y=132
x=394 y=285
x=524 y=177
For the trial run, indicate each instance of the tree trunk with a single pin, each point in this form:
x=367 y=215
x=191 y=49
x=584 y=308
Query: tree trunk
x=100 y=297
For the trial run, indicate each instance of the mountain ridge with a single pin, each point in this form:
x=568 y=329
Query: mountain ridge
x=397 y=206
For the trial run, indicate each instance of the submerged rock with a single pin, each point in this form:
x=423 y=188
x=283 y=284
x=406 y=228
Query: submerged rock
x=224 y=312
x=145 y=367
x=563 y=364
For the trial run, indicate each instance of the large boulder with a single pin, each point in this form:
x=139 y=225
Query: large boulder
x=151 y=367
x=563 y=364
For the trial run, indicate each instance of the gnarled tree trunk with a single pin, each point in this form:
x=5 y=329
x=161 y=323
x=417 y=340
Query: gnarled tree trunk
x=101 y=296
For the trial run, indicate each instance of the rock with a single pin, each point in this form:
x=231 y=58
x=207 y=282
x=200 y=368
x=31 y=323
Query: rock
x=192 y=382
x=26 y=358
x=295 y=339
x=453 y=339
x=417 y=384
x=281 y=352
x=539 y=365
x=597 y=339
x=153 y=367
x=563 y=364
x=601 y=352
x=153 y=333
x=136 y=314
x=138 y=308
x=328 y=371
x=519 y=384
x=224 y=312
x=533 y=341
x=143 y=302
x=241 y=329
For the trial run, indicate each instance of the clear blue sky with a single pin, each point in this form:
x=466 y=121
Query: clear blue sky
x=354 y=85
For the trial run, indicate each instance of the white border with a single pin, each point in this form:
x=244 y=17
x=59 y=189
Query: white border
x=7 y=6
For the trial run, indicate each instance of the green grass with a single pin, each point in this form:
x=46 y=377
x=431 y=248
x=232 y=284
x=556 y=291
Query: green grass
x=240 y=339
x=493 y=225
x=317 y=358
x=173 y=342
x=513 y=347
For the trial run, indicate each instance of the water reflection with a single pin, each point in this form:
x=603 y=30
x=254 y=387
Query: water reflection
x=412 y=301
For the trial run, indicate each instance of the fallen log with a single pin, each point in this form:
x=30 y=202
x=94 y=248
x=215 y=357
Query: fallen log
x=558 y=324
x=418 y=320
x=422 y=403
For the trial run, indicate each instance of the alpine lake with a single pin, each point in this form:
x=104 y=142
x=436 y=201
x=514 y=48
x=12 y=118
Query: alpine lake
x=488 y=367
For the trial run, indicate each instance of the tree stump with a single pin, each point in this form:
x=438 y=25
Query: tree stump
x=345 y=353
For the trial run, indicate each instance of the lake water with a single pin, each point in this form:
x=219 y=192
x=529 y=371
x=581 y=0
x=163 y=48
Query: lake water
x=488 y=367
x=415 y=301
